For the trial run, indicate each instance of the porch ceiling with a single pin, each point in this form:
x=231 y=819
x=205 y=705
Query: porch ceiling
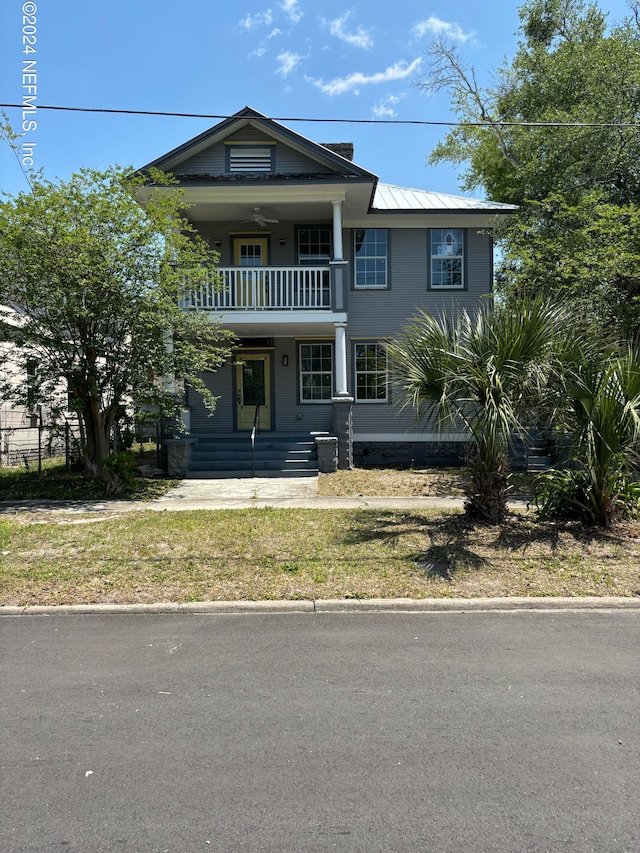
x=280 y=324
x=286 y=203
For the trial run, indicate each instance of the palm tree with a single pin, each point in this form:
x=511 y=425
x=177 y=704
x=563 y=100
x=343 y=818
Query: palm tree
x=602 y=416
x=483 y=371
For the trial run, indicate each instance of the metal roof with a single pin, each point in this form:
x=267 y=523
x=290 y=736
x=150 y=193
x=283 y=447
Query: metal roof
x=390 y=197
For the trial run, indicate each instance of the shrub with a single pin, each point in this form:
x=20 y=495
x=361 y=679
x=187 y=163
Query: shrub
x=574 y=494
x=119 y=472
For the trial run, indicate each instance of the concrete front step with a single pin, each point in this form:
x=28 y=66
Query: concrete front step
x=265 y=456
x=259 y=464
x=292 y=455
x=238 y=475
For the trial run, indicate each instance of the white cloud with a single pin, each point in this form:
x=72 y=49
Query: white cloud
x=288 y=61
x=292 y=10
x=352 y=83
x=360 y=38
x=385 y=107
x=437 y=27
x=259 y=19
x=262 y=47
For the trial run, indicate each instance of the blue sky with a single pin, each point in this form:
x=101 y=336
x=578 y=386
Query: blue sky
x=285 y=58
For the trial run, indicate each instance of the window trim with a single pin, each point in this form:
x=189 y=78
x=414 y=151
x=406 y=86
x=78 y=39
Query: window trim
x=463 y=257
x=367 y=401
x=387 y=284
x=324 y=401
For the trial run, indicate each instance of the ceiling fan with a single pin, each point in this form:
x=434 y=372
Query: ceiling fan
x=259 y=219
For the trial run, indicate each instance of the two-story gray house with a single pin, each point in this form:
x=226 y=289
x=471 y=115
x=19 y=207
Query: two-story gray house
x=321 y=263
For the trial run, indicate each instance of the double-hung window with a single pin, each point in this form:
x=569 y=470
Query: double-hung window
x=316 y=372
x=447 y=258
x=370 y=257
x=314 y=246
x=371 y=369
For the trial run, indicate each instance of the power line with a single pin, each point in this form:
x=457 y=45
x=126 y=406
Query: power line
x=585 y=124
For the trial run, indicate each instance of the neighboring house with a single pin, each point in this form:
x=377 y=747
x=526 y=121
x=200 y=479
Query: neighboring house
x=28 y=431
x=321 y=264
x=20 y=436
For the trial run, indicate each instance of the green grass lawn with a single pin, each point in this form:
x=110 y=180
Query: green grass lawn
x=298 y=554
x=54 y=482
x=304 y=554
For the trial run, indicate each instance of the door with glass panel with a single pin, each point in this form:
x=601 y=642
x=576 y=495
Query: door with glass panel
x=253 y=388
x=250 y=253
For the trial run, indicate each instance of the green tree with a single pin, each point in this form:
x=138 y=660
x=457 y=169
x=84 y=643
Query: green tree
x=91 y=283
x=569 y=68
x=586 y=254
x=493 y=373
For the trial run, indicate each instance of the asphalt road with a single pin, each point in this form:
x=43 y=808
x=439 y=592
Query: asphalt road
x=321 y=732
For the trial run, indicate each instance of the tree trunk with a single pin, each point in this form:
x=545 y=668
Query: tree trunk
x=96 y=428
x=486 y=494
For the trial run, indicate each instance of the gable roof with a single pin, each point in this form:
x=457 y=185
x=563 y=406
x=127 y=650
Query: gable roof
x=248 y=116
x=335 y=167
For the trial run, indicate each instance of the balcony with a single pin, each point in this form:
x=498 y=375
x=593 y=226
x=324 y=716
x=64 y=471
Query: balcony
x=252 y=289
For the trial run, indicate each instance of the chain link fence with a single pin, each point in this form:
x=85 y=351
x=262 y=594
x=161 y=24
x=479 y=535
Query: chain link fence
x=29 y=446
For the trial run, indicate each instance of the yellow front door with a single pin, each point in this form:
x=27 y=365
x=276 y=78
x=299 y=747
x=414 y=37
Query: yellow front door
x=249 y=251
x=253 y=388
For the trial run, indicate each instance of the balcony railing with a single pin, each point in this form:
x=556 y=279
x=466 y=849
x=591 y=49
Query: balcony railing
x=263 y=289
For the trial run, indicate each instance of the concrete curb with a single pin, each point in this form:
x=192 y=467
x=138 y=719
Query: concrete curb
x=371 y=605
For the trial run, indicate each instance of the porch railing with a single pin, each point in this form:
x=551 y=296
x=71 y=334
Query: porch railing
x=263 y=289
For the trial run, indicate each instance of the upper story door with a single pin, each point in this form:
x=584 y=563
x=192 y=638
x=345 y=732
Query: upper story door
x=250 y=251
x=251 y=284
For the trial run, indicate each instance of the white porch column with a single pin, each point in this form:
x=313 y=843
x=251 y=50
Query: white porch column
x=341 y=360
x=338 y=252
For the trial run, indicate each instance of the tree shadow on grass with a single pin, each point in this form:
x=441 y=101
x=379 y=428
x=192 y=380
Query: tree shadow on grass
x=518 y=534
x=456 y=542
x=451 y=539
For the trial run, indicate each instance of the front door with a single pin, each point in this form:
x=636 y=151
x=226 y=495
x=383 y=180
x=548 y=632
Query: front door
x=253 y=388
x=250 y=251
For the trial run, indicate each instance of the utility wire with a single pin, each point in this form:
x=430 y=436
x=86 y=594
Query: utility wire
x=613 y=124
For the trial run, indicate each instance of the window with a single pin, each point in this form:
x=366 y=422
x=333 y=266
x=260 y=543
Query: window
x=371 y=373
x=248 y=158
x=370 y=253
x=447 y=258
x=316 y=373
x=314 y=246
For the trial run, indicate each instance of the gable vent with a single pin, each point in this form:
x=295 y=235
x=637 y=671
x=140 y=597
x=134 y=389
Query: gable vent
x=245 y=159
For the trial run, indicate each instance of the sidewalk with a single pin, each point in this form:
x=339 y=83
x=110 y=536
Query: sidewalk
x=242 y=493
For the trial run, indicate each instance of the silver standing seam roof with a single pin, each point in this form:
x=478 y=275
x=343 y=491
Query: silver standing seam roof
x=390 y=197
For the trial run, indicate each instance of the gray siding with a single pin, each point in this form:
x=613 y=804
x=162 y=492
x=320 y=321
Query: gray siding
x=380 y=313
x=375 y=314
x=220 y=383
x=289 y=414
x=290 y=162
x=223 y=232
x=287 y=160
